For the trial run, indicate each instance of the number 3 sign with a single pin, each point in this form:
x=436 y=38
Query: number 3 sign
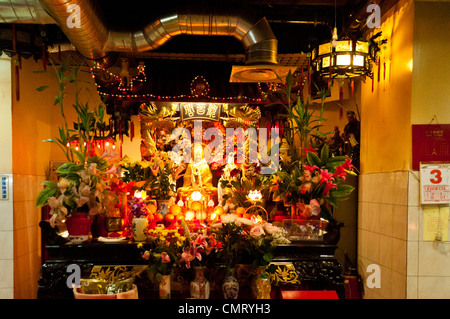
x=435 y=183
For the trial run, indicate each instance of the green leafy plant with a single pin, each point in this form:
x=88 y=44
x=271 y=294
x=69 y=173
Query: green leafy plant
x=309 y=177
x=82 y=180
x=87 y=122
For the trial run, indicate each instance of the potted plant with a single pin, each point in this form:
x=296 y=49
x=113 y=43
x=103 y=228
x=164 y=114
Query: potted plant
x=260 y=242
x=163 y=254
x=83 y=180
x=309 y=179
x=200 y=251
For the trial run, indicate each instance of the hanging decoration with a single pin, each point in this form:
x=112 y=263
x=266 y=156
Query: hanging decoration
x=347 y=58
x=125 y=87
x=199 y=86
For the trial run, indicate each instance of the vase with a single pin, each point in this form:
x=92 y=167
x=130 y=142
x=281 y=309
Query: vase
x=79 y=227
x=230 y=286
x=164 y=287
x=199 y=287
x=163 y=206
x=261 y=286
x=139 y=229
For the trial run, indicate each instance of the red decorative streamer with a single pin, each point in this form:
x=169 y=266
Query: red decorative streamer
x=379 y=70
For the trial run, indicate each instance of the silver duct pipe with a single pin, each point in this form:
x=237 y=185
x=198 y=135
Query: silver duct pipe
x=258 y=40
x=23 y=11
x=94 y=41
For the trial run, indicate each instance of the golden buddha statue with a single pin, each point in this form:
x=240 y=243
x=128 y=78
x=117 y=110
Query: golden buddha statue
x=198 y=176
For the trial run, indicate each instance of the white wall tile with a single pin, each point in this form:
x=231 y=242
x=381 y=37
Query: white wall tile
x=6 y=273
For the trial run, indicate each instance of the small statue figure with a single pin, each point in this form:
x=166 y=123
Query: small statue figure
x=351 y=136
x=336 y=142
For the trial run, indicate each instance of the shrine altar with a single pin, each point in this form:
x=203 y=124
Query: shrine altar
x=297 y=266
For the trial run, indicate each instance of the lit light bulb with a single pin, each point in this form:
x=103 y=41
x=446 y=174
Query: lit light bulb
x=196 y=196
x=334 y=38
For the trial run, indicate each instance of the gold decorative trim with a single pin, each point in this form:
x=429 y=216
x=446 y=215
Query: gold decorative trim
x=284 y=274
x=114 y=272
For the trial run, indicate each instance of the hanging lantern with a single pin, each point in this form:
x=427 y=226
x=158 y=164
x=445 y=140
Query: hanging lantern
x=344 y=59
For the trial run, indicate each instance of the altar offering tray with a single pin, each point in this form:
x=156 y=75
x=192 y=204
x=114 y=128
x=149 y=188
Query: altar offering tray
x=303 y=230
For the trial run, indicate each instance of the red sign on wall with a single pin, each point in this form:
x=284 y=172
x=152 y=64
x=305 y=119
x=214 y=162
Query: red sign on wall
x=430 y=143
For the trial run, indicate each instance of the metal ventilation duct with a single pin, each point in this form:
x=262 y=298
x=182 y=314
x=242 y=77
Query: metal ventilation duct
x=23 y=11
x=94 y=41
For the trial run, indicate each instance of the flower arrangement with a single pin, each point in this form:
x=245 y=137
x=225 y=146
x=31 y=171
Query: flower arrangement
x=256 y=237
x=156 y=176
x=201 y=250
x=138 y=207
x=261 y=241
x=230 y=232
x=83 y=180
x=309 y=178
x=315 y=185
x=164 y=251
x=80 y=188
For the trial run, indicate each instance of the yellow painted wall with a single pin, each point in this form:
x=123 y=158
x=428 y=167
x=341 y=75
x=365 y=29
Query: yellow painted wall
x=34 y=119
x=386 y=112
x=431 y=68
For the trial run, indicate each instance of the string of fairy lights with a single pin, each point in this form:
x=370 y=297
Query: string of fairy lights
x=125 y=92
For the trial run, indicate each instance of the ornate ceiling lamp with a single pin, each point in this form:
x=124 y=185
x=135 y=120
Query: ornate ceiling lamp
x=348 y=58
x=344 y=59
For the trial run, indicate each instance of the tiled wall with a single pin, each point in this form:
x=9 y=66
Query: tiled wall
x=382 y=232
x=428 y=261
x=6 y=206
x=390 y=234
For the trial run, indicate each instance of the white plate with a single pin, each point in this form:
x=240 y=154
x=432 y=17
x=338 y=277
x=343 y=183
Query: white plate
x=112 y=239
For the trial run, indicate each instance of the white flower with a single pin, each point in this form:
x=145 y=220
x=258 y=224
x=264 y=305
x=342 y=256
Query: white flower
x=229 y=218
x=92 y=169
x=53 y=202
x=85 y=190
x=270 y=228
x=63 y=184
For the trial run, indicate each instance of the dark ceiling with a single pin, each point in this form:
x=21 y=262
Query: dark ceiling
x=295 y=23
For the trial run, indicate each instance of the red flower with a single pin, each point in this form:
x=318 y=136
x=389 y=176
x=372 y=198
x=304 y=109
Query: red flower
x=310 y=168
x=340 y=172
x=348 y=164
x=310 y=149
x=326 y=176
x=329 y=185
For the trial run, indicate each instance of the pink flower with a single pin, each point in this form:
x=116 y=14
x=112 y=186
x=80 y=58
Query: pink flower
x=146 y=255
x=165 y=258
x=314 y=207
x=257 y=231
x=326 y=176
